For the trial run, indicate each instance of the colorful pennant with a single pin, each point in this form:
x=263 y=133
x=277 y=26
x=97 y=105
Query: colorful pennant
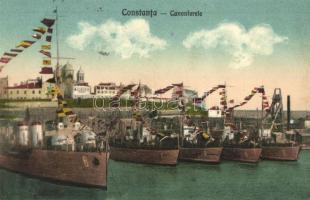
x=5 y=60
x=10 y=54
x=25 y=43
x=41 y=30
x=17 y=50
x=46 y=62
x=37 y=36
x=46 y=47
x=48 y=22
x=46 y=53
x=48 y=38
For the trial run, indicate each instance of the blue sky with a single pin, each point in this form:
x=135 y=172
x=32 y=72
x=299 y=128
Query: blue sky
x=200 y=67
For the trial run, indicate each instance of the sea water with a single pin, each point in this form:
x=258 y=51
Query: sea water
x=228 y=180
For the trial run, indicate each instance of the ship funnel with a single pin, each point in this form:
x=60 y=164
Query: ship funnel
x=288 y=112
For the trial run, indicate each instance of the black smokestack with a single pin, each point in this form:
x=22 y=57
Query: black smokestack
x=288 y=112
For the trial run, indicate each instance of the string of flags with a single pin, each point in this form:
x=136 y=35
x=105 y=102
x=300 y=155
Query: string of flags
x=199 y=100
x=260 y=90
x=24 y=44
x=178 y=86
x=45 y=48
x=163 y=90
x=115 y=99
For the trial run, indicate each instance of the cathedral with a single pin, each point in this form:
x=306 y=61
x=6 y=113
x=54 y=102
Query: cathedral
x=67 y=80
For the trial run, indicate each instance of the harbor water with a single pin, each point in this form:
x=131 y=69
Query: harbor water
x=228 y=180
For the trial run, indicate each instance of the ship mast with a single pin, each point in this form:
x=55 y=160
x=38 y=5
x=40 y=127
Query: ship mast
x=57 y=39
x=57 y=73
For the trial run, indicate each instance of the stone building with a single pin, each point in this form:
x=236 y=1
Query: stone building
x=4 y=83
x=29 y=90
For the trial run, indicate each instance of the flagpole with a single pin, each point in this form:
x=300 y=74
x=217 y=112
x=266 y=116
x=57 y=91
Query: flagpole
x=57 y=74
x=57 y=39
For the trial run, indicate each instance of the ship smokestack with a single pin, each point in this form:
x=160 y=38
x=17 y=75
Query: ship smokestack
x=288 y=112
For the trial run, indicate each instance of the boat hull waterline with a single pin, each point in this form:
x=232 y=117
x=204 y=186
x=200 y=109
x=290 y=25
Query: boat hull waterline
x=207 y=155
x=146 y=156
x=79 y=168
x=250 y=155
x=289 y=153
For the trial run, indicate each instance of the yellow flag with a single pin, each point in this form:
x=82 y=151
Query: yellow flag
x=47 y=62
x=61 y=114
x=66 y=110
x=24 y=44
x=46 y=47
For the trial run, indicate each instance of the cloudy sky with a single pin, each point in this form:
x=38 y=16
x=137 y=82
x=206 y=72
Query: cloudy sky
x=241 y=43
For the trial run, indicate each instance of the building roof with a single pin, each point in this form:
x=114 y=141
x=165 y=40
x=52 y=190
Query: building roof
x=27 y=85
x=81 y=84
x=46 y=70
x=107 y=84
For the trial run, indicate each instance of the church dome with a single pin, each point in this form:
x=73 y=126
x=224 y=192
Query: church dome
x=67 y=67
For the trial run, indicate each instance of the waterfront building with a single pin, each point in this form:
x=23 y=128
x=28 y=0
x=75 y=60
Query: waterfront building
x=29 y=90
x=106 y=90
x=4 y=83
x=81 y=91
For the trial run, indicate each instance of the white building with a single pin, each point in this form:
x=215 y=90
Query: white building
x=106 y=90
x=80 y=76
x=81 y=91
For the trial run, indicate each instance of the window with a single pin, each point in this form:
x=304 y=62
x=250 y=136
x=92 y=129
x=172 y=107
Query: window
x=11 y=92
x=25 y=92
x=39 y=91
x=17 y=92
x=33 y=92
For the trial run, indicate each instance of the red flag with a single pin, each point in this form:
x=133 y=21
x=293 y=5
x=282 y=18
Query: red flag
x=48 y=22
x=5 y=60
x=261 y=90
x=178 y=84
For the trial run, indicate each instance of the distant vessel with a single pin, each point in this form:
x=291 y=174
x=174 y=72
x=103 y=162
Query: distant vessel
x=200 y=145
x=240 y=146
x=277 y=144
x=289 y=153
x=136 y=142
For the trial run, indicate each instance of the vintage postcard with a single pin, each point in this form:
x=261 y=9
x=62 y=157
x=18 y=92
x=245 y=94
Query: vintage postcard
x=141 y=99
